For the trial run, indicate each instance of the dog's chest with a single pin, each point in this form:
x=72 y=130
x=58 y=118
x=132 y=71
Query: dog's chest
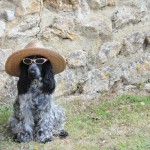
x=35 y=96
x=37 y=99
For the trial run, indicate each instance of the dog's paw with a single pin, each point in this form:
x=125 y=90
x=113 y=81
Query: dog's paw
x=63 y=134
x=44 y=137
x=23 y=137
x=45 y=140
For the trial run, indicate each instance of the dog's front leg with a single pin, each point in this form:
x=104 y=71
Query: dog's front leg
x=26 y=123
x=43 y=128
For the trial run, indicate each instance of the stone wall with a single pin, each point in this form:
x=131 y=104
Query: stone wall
x=106 y=42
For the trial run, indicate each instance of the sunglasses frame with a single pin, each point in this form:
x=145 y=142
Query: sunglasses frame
x=34 y=61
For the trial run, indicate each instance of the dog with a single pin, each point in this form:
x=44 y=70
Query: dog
x=35 y=115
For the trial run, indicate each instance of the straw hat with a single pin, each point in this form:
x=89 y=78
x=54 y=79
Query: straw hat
x=12 y=65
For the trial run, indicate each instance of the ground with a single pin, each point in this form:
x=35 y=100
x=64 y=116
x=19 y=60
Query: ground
x=121 y=123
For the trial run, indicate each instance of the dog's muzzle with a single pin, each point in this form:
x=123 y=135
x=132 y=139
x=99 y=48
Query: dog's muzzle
x=34 y=71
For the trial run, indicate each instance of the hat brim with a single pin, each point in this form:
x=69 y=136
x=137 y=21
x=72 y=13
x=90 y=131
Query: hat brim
x=12 y=65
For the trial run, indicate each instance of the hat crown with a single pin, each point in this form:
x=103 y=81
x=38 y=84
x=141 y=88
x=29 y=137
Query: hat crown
x=34 y=44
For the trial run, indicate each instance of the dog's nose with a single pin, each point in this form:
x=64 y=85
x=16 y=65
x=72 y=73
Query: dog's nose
x=32 y=72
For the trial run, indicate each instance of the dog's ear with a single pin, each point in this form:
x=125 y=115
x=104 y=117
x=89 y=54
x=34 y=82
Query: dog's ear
x=48 y=78
x=23 y=82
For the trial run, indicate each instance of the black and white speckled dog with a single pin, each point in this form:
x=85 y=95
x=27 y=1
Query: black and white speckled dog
x=35 y=116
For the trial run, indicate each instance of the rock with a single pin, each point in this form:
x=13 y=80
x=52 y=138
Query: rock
x=6 y=4
x=4 y=53
x=129 y=72
x=10 y=15
x=115 y=74
x=7 y=14
x=77 y=59
x=133 y=43
x=4 y=78
x=98 y=4
x=28 y=7
x=75 y=3
x=108 y=51
x=66 y=83
x=143 y=68
x=28 y=26
x=83 y=10
x=124 y=73
x=8 y=88
x=147 y=4
x=130 y=88
x=124 y=16
x=71 y=82
x=147 y=87
x=2 y=28
x=64 y=24
x=95 y=27
x=64 y=35
x=64 y=28
x=96 y=82
x=47 y=19
x=147 y=38
x=112 y=2
x=67 y=5
x=138 y=4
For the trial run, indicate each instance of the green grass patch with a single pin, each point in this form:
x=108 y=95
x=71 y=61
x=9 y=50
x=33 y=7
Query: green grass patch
x=112 y=124
x=5 y=112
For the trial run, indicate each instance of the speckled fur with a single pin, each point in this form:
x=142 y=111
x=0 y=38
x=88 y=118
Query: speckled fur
x=35 y=116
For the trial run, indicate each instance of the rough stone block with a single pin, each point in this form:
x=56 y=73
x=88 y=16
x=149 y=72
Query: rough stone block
x=65 y=5
x=7 y=14
x=28 y=6
x=64 y=28
x=67 y=83
x=28 y=26
x=97 y=82
x=147 y=87
x=2 y=28
x=109 y=50
x=98 y=4
x=124 y=16
x=4 y=53
x=95 y=27
x=133 y=43
x=77 y=59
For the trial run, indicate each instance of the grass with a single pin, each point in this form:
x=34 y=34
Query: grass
x=122 y=123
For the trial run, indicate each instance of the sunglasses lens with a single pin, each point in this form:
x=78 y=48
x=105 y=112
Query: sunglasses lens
x=39 y=61
x=27 y=61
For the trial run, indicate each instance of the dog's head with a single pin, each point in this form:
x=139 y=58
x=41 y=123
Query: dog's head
x=36 y=67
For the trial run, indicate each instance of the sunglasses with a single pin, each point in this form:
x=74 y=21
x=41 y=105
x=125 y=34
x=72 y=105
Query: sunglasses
x=38 y=61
